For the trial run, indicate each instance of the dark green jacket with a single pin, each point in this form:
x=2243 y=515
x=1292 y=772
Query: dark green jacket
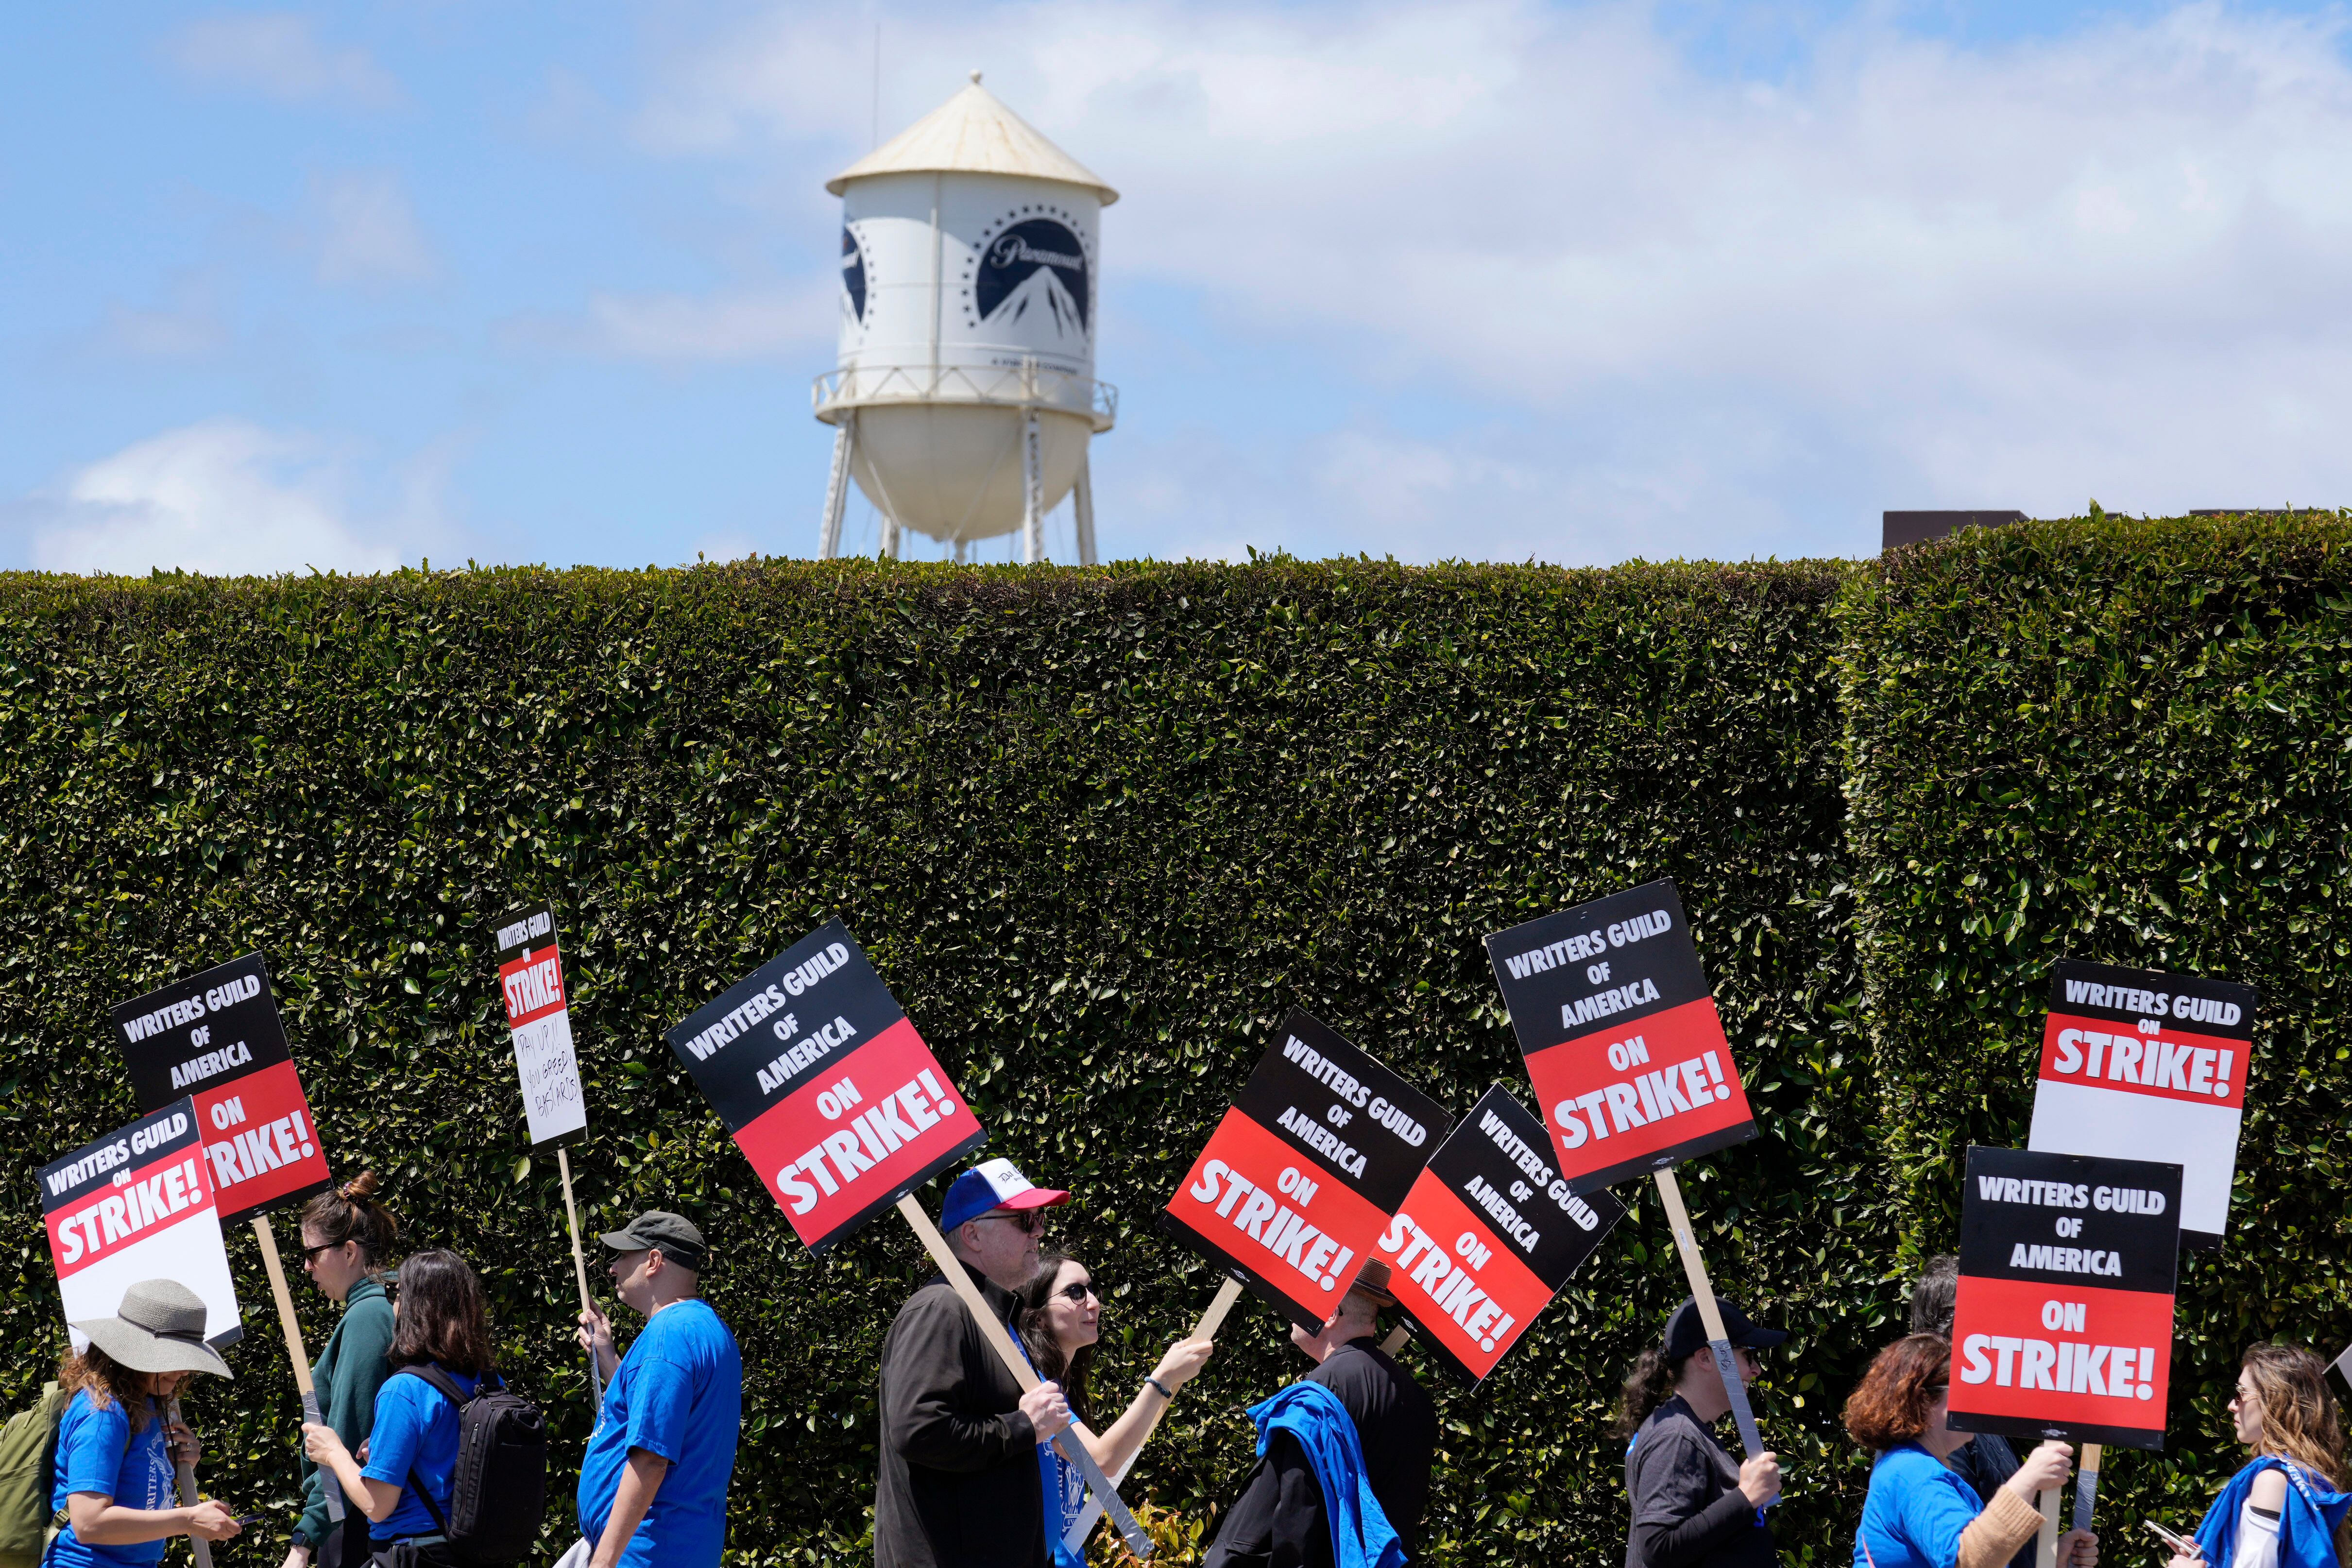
x=350 y=1369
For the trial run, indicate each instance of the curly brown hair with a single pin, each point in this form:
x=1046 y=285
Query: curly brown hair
x=107 y=1382
x=2298 y=1415
x=1650 y=1384
x=1889 y=1405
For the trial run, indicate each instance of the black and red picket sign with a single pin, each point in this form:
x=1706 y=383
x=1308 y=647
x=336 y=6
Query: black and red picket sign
x=2137 y=1060
x=217 y=1036
x=2063 y=1327
x=1624 y=1046
x=1488 y=1234
x=826 y=1086
x=1299 y=1179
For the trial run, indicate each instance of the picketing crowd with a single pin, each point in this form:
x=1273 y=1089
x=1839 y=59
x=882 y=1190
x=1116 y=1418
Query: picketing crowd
x=969 y=1476
x=1332 y=1189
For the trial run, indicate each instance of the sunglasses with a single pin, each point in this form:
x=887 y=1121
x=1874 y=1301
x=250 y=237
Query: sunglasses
x=1031 y=1221
x=1077 y=1291
x=311 y=1253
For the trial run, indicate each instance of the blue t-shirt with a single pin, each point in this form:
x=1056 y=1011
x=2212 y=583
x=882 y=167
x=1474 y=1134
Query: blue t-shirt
x=1914 y=1513
x=415 y=1428
x=678 y=1394
x=99 y=1452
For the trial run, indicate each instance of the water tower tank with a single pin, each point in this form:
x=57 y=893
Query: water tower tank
x=964 y=396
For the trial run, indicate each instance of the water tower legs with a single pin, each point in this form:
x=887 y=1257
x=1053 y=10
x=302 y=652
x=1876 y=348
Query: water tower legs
x=1032 y=490
x=1082 y=502
x=836 y=486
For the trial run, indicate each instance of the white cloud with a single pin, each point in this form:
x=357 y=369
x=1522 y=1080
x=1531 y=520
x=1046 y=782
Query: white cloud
x=1912 y=272
x=365 y=231
x=279 y=55
x=229 y=498
x=791 y=323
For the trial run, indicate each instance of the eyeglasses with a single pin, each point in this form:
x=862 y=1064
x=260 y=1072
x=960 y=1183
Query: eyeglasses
x=1077 y=1291
x=1031 y=1221
x=311 y=1253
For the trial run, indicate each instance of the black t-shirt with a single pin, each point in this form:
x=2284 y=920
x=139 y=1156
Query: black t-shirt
x=1278 y=1520
x=1688 y=1511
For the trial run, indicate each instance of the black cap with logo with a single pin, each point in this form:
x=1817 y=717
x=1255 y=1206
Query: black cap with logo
x=1686 y=1331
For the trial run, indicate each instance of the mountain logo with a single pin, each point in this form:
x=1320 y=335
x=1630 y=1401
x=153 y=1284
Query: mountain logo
x=852 y=274
x=1024 y=250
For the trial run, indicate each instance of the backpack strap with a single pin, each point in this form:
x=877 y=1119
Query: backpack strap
x=440 y=1381
x=440 y=1521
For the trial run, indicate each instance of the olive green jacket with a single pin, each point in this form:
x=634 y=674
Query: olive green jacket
x=350 y=1369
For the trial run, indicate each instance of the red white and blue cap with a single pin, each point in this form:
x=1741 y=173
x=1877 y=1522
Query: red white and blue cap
x=995 y=1185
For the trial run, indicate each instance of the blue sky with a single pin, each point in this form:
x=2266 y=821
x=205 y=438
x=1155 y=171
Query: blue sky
x=348 y=287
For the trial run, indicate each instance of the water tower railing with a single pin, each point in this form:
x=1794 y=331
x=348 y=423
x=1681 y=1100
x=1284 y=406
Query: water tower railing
x=1012 y=386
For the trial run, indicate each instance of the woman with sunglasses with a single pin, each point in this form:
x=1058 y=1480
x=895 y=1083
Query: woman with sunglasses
x=2287 y=1506
x=347 y=1238
x=1061 y=1322
x=1919 y=1513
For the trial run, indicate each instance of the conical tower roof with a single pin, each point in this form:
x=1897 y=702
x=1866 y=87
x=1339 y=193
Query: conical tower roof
x=974 y=133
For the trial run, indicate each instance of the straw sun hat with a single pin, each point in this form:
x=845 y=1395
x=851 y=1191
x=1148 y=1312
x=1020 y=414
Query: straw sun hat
x=160 y=1327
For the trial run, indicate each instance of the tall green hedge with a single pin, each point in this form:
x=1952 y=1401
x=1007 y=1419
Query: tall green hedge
x=2128 y=741
x=1098 y=829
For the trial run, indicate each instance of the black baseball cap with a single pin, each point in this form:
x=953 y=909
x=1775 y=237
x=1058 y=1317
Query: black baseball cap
x=675 y=1234
x=1686 y=1331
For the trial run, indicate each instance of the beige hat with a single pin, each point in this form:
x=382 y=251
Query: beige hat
x=1374 y=1282
x=160 y=1327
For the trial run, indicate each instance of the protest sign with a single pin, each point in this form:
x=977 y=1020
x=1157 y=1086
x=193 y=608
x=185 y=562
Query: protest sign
x=135 y=1205
x=843 y=1112
x=216 y=1036
x=1299 y=1179
x=1612 y=1012
x=2062 y=1326
x=538 y=1020
x=1630 y=1064
x=2137 y=1062
x=1487 y=1235
x=829 y=1091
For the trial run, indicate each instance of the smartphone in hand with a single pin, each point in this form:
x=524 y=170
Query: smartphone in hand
x=2179 y=1544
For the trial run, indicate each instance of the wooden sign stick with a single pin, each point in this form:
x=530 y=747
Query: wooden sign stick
x=292 y=1328
x=2045 y=1550
x=580 y=1269
x=1228 y=1290
x=1670 y=1192
x=1000 y=1339
x=2086 y=1485
x=1396 y=1339
x=187 y=1477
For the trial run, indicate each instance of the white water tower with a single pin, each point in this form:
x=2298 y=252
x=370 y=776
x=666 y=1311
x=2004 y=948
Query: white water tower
x=965 y=396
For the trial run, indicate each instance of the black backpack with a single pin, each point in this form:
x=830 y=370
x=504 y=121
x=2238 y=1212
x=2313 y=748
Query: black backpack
x=498 y=1493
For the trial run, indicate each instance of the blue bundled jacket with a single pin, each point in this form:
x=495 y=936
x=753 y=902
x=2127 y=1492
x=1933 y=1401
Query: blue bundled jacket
x=1361 y=1536
x=2307 y=1524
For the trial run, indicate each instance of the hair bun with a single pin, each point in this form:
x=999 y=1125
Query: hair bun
x=360 y=1187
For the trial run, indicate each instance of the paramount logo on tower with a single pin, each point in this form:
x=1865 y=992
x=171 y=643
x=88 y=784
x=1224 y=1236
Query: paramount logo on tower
x=1019 y=254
